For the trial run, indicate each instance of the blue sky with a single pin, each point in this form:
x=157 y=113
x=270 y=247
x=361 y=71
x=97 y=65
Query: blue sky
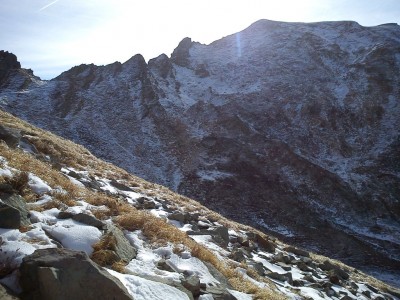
x=52 y=36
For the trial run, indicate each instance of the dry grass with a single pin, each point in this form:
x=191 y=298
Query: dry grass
x=104 y=251
x=19 y=183
x=157 y=230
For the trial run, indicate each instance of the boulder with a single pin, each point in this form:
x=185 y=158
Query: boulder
x=165 y=265
x=82 y=218
x=280 y=257
x=223 y=281
x=220 y=235
x=9 y=217
x=66 y=274
x=333 y=277
x=328 y=266
x=238 y=254
x=244 y=241
x=281 y=277
x=265 y=244
x=303 y=267
x=10 y=135
x=75 y=175
x=192 y=284
x=284 y=266
x=88 y=220
x=297 y=251
x=219 y=293
x=120 y=186
x=120 y=244
x=27 y=146
x=6 y=188
x=150 y=204
x=12 y=202
x=177 y=216
x=258 y=267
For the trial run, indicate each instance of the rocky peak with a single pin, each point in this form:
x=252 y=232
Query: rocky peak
x=181 y=54
x=161 y=64
x=77 y=72
x=8 y=61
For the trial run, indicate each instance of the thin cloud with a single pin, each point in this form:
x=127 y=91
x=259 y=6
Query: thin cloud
x=50 y=4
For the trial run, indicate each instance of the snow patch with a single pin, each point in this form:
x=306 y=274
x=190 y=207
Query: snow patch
x=143 y=289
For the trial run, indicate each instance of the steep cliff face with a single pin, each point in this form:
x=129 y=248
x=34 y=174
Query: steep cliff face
x=290 y=127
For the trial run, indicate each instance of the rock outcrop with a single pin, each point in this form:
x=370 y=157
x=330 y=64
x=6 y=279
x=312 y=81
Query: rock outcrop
x=66 y=274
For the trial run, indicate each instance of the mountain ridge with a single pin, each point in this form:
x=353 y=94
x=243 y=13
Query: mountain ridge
x=284 y=116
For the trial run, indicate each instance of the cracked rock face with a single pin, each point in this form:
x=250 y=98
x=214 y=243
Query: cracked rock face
x=289 y=127
x=61 y=274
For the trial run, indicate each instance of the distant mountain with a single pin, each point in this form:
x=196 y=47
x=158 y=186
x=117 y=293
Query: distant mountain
x=293 y=128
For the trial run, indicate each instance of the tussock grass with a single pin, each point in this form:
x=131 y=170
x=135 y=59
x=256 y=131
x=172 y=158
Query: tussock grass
x=19 y=183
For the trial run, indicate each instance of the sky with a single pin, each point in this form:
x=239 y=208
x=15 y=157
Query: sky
x=51 y=36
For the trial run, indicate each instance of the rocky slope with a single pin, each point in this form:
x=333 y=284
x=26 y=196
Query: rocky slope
x=292 y=128
x=94 y=231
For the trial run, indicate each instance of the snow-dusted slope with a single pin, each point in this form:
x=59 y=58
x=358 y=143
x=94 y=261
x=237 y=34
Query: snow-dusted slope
x=290 y=127
x=152 y=243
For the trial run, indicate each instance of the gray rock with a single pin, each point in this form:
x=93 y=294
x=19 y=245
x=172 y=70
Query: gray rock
x=328 y=266
x=366 y=294
x=65 y=274
x=88 y=220
x=17 y=202
x=244 y=241
x=280 y=257
x=165 y=265
x=82 y=218
x=10 y=135
x=65 y=215
x=309 y=278
x=223 y=281
x=74 y=175
x=281 y=277
x=333 y=277
x=284 y=266
x=265 y=244
x=219 y=293
x=6 y=188
x=9 y=217
x=177 y=216
x=120 y=186
x=297 y=251
x=194 y=216
x=222 y=233
x=92 y=184
x=149 y=204
x=192 y=283
x=120 y=245
x=238 y=254
x=302 y=266
x=258 y=267
x=27 y=146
